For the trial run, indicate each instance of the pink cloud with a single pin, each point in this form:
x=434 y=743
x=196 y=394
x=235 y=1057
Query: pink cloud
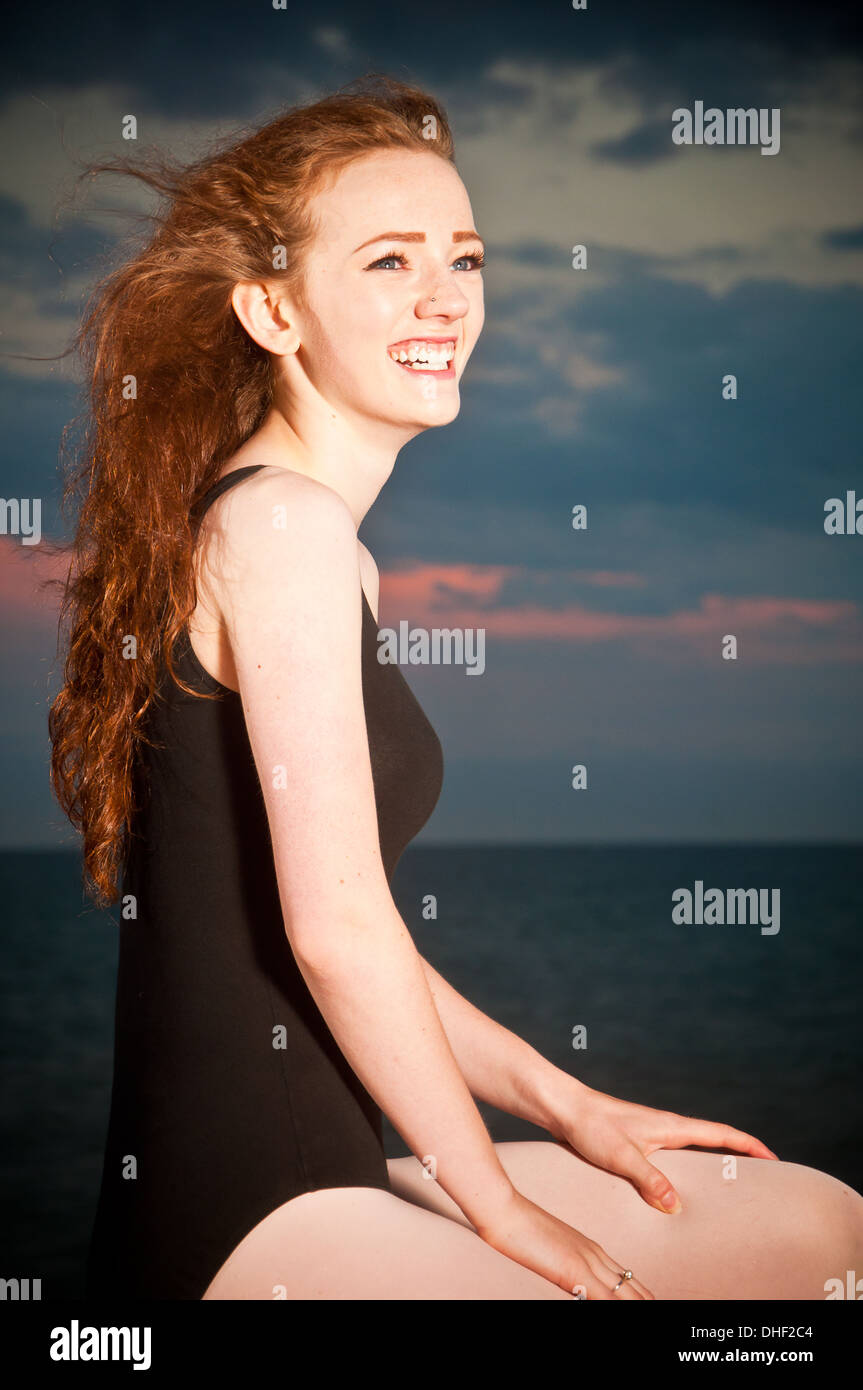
x=428 y=585
x=440 y=585
x=25 y=602
x=769 y=630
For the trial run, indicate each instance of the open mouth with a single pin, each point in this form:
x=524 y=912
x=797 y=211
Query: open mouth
x=423 y=356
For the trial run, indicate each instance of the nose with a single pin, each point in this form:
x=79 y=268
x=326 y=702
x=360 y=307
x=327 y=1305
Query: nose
x=443 y=300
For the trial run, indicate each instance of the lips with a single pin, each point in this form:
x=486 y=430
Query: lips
x=406 y=342
x=422 y=369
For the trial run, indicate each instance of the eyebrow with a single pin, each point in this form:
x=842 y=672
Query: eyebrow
x=418 y=236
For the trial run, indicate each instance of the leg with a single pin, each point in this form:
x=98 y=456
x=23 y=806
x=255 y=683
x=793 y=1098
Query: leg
x=776 y=1230
x=364 y=1243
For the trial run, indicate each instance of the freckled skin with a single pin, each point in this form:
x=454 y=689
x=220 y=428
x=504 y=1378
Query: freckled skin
x=339 y=396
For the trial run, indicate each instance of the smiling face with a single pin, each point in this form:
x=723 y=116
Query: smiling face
x=393 y=295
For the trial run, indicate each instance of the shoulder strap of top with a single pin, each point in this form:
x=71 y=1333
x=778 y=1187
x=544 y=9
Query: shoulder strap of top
x=220 y=486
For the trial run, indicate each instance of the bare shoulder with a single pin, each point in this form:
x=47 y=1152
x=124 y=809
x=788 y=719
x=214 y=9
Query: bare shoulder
x=276 y=527
x=280 y=499
x=290 y=599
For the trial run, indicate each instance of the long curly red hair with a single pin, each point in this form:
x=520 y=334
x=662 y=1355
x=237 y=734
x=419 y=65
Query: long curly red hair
x=174 y=386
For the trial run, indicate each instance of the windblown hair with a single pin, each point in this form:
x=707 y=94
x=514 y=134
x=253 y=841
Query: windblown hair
x=164 y=321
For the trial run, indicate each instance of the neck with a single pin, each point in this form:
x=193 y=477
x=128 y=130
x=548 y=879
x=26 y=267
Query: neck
x=325 y=446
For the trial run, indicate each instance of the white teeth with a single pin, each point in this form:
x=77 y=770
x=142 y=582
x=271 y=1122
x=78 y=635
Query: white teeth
x=434 y=356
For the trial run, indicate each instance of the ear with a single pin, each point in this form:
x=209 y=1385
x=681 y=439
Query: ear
x=267 y=317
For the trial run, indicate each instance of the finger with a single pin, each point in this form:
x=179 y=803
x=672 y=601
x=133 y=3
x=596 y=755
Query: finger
x=590 y=1288
x=643 y=1290
x=600 y=1293
x=626 y=1293
x=623 y=1289
x=603 y=1275
x=653 y=1186
x=612 y=1275
x=589 y=1269
x=708 y=1135
x=637 y=1289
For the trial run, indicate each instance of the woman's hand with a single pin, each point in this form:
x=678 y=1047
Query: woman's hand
x=617 y=1135
x=534 y=1238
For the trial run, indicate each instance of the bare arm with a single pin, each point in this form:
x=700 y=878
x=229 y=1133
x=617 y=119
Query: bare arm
x=290 y=597
x=498 y=1066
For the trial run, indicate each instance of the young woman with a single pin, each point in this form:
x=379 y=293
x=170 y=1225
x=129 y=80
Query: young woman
x=307 y=306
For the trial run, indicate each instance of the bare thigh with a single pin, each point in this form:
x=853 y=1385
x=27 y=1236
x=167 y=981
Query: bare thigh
x=749 y=1228
x=364 y=1243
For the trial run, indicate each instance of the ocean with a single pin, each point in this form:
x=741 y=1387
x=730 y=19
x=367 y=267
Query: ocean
x=760 y=1029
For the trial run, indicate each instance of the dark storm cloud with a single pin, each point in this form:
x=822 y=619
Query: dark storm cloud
x=644 y=145
x=205 y=57
x=843 y=239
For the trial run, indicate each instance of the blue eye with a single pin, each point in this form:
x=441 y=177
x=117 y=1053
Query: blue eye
x=477 y=257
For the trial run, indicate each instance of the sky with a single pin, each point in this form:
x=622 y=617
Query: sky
x=600 y=387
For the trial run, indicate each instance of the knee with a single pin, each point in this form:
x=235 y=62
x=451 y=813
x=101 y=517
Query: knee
x=827 y=1217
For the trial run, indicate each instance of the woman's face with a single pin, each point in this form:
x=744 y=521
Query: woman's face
x=394 y=272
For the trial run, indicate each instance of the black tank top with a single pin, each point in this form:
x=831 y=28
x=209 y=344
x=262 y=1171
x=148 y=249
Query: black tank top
x=230 y=1095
